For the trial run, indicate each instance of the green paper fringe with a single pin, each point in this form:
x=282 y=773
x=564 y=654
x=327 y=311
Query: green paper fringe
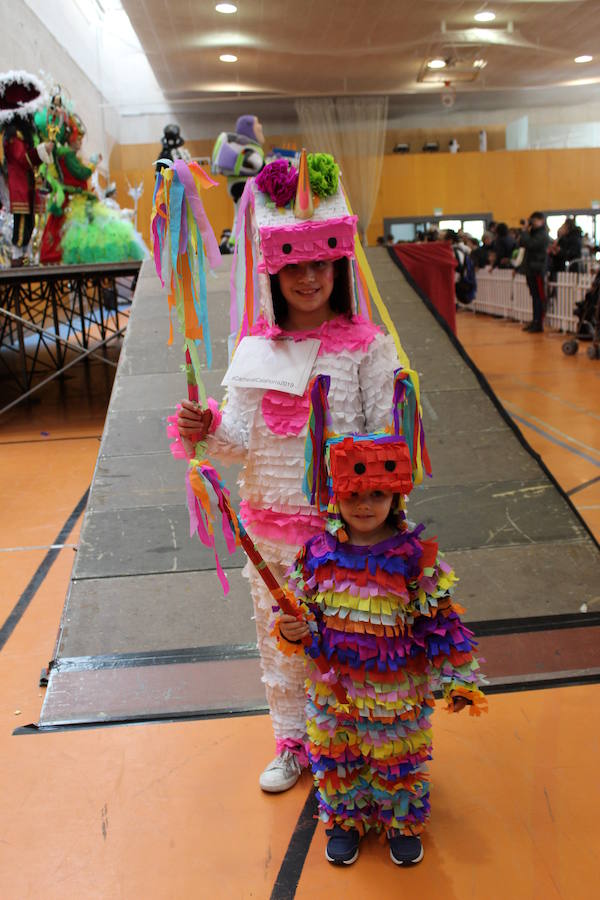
x=324 y=174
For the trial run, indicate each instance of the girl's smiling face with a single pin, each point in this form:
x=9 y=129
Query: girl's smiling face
x=366 y=515
x=307 y=287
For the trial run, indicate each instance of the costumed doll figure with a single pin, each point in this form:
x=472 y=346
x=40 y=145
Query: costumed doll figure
x=90 y=231
x=378 y=601
x=71 y=179
x=296 y=280
x=21 y=94
x=172 y=146
x=239 y=155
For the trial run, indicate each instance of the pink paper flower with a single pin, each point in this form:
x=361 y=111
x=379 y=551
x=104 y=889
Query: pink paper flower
x=279 y=180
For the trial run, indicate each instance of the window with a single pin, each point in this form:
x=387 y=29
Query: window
x=404 y=232
x=474 y=227
x=587 y=219
x=587 y=223
x=449 y=224
x=407 y=228
x=554 y=223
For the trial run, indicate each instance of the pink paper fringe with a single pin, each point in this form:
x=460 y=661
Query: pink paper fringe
x=285 y=413
x=335 y=335
x=298 y=748
x=291 y=529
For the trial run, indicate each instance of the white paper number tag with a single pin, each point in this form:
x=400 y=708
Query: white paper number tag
x=277 y=365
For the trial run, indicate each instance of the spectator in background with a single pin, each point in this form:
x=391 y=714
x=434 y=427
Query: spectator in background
x=390 y=240
x=588 y=247
x=491 y=260
x=503 y=246
x=469 y=241
x=480 y=255
x=535 y=240
x=566 y=248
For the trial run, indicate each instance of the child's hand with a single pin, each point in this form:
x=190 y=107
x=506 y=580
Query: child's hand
x=459 y=703
x=293 y=629
x=193 y=422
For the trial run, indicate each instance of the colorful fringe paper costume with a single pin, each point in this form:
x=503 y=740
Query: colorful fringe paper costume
x=265 y=429
x=80 y=228
x=384 y=616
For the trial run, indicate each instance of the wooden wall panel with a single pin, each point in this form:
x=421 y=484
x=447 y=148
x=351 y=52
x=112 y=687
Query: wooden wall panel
x=511 y=184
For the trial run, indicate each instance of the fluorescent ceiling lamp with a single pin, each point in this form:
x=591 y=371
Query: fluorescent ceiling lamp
x=583 y=59
x=436 y=64
x=484 y=16
x=228 y=57
x=226 y=8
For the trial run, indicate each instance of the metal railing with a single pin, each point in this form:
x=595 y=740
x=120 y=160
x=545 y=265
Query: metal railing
x=504 y=293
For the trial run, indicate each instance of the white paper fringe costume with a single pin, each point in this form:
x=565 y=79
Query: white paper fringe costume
x=265 y=431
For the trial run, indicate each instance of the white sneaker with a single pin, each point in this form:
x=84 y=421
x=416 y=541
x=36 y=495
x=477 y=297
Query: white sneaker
x=281 y=774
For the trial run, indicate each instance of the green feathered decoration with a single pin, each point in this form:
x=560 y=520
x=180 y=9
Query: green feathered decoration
x=95 y=234
x=324 y=174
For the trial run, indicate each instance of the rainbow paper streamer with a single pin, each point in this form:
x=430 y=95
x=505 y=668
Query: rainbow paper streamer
x=408 y=421
x=183 y=243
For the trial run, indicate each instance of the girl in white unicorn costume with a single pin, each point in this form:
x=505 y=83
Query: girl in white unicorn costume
x=296 y=276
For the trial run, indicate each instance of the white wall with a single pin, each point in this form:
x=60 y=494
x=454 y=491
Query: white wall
x=25 y=43
x=522 y=134
x=97 y=61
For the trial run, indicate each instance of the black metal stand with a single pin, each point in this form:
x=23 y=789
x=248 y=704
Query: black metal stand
x=62 y=309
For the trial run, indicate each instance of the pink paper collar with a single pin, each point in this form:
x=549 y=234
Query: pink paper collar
x=335 y=335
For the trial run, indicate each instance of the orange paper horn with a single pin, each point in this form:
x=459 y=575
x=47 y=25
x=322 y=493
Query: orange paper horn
x=303 y=207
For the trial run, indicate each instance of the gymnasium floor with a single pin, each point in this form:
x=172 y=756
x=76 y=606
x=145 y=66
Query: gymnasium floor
x=173 y=810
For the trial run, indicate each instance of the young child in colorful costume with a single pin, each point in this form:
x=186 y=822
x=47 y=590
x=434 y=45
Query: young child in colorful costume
x=295 y=275
x=378 y=603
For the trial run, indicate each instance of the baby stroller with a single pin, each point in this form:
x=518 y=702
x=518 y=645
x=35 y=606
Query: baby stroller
x=587 y=312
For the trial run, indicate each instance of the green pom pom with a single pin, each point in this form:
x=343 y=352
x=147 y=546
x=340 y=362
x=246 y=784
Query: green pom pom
x=324 y=173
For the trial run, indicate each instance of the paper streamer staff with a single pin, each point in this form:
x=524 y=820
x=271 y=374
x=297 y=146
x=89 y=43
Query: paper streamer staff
x=183 y=243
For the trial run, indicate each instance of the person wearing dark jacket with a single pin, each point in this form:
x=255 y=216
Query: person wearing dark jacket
x=535 y=240
x=566 y=248
x=503 y=246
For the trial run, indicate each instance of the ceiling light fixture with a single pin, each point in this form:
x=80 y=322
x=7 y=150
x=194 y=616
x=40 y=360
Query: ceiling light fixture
x=485 y=16
x=226 y=8
x=436 y=64
x=228 y=57
x=479 y=63
x=583 y=59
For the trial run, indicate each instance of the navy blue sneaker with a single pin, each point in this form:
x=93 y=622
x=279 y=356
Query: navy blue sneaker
x=342 y=846
x=405 y=850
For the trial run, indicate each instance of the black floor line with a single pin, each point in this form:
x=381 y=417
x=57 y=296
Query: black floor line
x=582 y=487
x=489 y=391
x=39 y=575
x=286 y=884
